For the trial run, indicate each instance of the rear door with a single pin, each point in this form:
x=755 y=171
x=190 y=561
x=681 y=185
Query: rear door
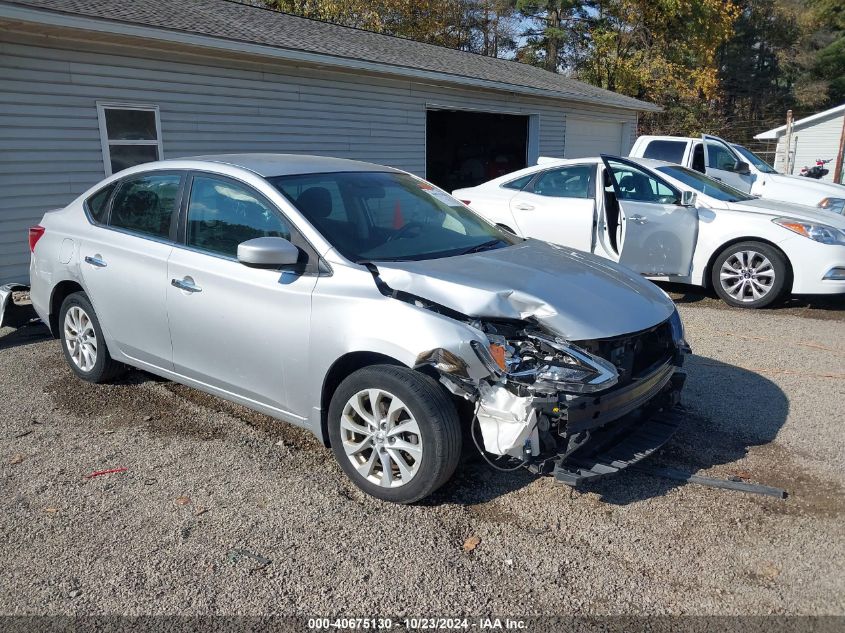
x=236 y=328
x=658 y=235
x=123 y=261
x=559 y=205
x=722 y=164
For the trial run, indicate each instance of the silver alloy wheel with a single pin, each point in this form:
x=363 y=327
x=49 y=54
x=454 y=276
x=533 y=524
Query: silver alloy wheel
x=381 y=438
x=747 y=276
x=80 y=338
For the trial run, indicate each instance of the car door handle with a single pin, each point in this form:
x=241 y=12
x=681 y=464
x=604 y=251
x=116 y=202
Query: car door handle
x=525 y=207
x=639 y=219
x=187 y=284
x=95 y=261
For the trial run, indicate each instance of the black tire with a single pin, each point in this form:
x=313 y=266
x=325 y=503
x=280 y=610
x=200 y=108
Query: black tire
x=104 y=367
x=777 y=289
x=436 y=417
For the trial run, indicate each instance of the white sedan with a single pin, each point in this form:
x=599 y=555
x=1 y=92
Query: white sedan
x=671 y=223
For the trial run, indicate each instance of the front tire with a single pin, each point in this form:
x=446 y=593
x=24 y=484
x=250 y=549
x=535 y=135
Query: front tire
x=82 y=340
x=750 y=275
x=394 y=432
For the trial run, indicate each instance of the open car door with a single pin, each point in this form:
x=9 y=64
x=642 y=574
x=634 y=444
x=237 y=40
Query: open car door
x=722 y=163
x=657 y=233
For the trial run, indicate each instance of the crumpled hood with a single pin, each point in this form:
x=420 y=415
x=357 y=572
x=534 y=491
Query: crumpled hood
x=790 y=210
x=576 y=295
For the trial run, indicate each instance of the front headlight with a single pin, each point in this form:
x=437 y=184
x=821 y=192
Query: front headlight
x=837 y=205
x=818 y=232
x=678 y=333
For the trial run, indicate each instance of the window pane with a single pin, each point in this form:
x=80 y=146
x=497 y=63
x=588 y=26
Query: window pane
x=125 y=156
x=566 y=182
x=519 y=183
x=640 y=186
x=670 y=151
x=130 y=125
x=222 y=214
x=146 y=204
x=719 y=157
x=98 y=203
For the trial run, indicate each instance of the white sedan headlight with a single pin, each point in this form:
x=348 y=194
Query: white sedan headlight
x=837 y=205
x=818 y=232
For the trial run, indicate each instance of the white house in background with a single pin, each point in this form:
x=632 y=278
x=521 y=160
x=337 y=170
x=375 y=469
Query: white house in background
x=814 y=137
x=87 y=88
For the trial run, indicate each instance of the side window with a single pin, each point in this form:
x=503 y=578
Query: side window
x=130 y=135
x=98 y=204
x=222 y=214
x=698 y=157
x=720 y=157
x=670 y=151
x=572 y=181
x=519 y=183
x=145 y=204
x=637 y=185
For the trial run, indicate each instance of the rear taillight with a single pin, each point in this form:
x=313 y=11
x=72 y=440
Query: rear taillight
x=35 y=233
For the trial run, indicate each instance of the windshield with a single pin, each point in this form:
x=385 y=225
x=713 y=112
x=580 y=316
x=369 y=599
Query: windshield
x=385 y=216
x=704 y=184
x=755 y=160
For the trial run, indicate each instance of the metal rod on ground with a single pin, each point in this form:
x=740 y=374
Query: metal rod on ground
x=680 y=475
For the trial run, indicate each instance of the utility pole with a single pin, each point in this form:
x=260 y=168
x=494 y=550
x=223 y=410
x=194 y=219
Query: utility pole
x=788 y=158
x=837 y=171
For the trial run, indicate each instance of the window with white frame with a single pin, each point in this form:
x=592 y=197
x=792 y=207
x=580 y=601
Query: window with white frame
x=130 y=135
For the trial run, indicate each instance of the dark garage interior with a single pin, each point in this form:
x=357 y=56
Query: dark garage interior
x=464 y=148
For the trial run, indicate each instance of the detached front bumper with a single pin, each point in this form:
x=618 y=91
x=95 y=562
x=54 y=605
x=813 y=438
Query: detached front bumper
x=602 y=434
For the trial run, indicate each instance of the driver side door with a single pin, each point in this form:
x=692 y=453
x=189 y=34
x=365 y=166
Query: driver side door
x=658 y=235
x=722 y=164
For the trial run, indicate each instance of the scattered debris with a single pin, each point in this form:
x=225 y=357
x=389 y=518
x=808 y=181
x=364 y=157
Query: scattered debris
x=74 y=593
x=183 y=500
x=97 y=473
x=471 y=543
x=23 y=434
x=51 y=510
x=149 y=481
x=237 y=555
x=739 y=475
x=728 y=484
x=769 y=571
x=148 y=418
x=200 y=511
x=17 y=458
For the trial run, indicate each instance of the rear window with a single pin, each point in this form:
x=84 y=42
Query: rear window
x=146 y=204
x=519 y=183
x=669 y=151
x=98 y=204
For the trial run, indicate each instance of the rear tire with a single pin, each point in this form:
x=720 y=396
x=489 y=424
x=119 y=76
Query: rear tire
x=750 y=275
x=82 y=340
x=394 y=432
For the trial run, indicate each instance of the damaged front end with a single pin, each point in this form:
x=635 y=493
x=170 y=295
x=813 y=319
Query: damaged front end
x=577 y=409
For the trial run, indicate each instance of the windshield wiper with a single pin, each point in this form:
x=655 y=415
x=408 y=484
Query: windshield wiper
x=484 y=246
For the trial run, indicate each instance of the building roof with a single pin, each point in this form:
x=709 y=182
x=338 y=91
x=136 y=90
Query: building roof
x=779 y=131
x=232 y=25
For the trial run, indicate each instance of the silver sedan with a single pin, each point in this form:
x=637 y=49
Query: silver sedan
x=368 y=306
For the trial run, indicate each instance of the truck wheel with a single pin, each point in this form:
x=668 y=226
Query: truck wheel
x=750 y=275
x=394 y=432
x=82 y=340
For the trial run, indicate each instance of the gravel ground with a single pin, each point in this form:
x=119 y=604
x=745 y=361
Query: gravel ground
x=224 y=511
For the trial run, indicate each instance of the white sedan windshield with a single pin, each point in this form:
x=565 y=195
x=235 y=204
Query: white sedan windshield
x=704 y=184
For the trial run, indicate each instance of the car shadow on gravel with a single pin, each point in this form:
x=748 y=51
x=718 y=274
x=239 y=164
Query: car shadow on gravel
x=34 y=332
x=728 y=410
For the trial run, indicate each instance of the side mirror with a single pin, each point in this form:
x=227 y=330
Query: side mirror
x=268 y=252
x=688 y=198
x=743 y=169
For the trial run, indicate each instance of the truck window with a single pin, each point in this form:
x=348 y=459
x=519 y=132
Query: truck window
x=698 y=157
x=670 y=151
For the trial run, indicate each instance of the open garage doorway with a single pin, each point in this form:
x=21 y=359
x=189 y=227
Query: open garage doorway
x=466 y=148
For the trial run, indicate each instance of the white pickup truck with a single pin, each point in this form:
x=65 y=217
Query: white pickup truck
x=740 y=168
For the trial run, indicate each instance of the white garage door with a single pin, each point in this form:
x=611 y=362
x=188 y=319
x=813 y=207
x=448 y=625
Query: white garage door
x=591 y=137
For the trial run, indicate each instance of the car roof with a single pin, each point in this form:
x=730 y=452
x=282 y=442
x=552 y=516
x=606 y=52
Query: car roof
x=269 y=165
